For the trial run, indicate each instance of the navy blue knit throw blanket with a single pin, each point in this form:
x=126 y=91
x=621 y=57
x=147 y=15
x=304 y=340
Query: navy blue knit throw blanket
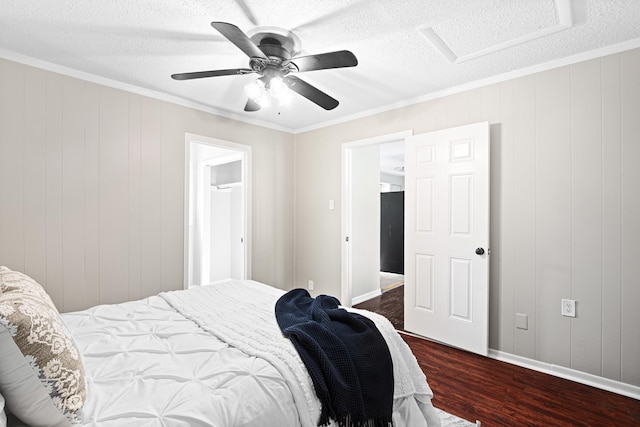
x=346 y=356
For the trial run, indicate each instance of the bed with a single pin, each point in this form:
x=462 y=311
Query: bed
x=207 y=356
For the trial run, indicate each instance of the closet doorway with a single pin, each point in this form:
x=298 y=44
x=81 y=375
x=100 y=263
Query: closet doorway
x=217 y=211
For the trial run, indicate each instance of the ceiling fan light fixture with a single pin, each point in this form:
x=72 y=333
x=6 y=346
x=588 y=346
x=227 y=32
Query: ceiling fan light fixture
x=280 y=92
x=277 y=86
x=255 y=89
x=266 y=94
x=259 y=93
x=265 y=100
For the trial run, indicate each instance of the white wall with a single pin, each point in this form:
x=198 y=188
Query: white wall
x=565 y=207
x=92 y=185
x=220 y=235
x=365 y=231
x=396 y=182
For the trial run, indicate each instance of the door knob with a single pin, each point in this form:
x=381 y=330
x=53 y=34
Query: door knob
x=479 y=251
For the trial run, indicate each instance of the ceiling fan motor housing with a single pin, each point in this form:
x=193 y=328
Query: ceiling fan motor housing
x=277 y=63
x=273 y=49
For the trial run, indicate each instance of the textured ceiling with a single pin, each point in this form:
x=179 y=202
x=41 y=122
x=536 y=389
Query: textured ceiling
x=406 y=49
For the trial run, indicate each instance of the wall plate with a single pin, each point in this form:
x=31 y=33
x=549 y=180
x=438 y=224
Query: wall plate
x=568 y=308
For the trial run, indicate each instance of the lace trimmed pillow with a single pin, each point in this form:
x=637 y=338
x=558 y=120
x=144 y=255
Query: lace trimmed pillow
x=33 y=321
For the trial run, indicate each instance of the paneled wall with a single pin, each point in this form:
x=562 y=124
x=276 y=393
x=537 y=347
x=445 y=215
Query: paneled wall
x=92 y=192
x=565 y=207
x=92 y=188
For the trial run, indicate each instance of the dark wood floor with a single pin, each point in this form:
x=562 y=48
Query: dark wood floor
x=390 y=304
x=500 y=394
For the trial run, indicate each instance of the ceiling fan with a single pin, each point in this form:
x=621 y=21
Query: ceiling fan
x=272 y=53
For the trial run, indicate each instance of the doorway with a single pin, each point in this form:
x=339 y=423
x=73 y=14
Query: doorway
x=217 y=211
x=392 y=183
x=361 y=188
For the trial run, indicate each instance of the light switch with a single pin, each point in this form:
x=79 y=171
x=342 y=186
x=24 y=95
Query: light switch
x=332 y=205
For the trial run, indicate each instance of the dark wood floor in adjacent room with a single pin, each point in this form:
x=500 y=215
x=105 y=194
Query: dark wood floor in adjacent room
x=500 y=394
x=390 y=304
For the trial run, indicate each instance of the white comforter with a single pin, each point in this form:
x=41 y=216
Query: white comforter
x=213 y=356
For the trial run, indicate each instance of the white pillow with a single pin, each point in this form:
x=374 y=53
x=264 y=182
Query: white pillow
x=3 y=416
x=26 y=398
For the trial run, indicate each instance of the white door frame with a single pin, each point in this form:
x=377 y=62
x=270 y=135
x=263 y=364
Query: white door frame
x=347 y=209
x=246 y=180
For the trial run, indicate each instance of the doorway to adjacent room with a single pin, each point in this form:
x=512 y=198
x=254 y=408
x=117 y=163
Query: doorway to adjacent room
x=370 y=265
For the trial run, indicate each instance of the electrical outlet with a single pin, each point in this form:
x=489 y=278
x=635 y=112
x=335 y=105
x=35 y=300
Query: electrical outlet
x=522 y=321
x=569 y=307
x=310 y=285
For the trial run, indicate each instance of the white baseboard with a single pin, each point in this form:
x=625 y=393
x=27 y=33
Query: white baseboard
x=364 y=297
x=568 y=373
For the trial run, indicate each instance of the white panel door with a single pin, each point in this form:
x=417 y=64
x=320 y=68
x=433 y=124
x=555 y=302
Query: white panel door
x=447 y=236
